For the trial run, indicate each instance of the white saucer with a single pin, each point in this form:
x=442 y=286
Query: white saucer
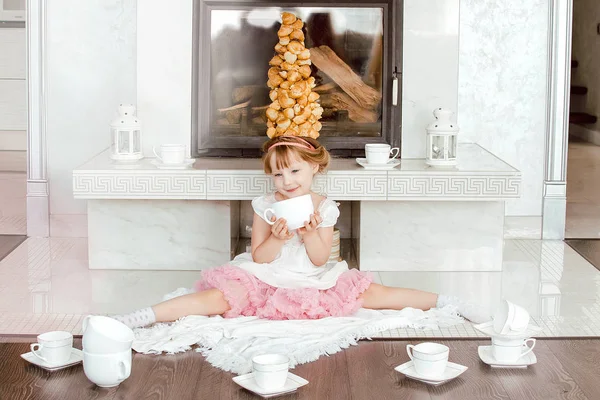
x=487 y=328
x=389 y=165
x=76 y=358
x=186 y=164
x=247 y=382
x=485 y=353
x=452 y=371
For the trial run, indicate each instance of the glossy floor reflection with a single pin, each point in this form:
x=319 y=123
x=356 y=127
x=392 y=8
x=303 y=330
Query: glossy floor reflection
x=45 y=284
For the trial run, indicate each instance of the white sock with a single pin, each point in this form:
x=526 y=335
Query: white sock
x=468 y=309
x=138 y=318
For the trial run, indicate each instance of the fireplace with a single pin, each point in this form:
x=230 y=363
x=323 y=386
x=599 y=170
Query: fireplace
x=355 y=52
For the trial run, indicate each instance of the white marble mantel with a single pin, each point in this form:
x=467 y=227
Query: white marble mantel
x=478 y=176
x=413 y=217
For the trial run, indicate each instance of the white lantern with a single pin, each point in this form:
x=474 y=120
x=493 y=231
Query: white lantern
x=126 y=133
x=441 y=139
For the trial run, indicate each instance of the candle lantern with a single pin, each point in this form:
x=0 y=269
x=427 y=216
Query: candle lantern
x=126 y=135
x=441 y=139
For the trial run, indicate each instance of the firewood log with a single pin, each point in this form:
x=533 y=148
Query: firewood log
x=325 y=87
x=243 y=93
x=234 y=113
x=339 y=101
x=327 y=61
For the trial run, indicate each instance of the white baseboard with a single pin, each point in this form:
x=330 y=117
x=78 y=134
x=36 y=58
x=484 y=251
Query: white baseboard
x=13 y=140
x=13 y=161
x=37 y=211
x=585 y=134
x=523 y=227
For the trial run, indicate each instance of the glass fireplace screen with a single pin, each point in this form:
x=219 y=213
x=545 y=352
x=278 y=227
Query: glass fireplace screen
x=348 y=39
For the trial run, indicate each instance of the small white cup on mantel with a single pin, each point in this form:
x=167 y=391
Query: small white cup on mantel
x=270 y=371
x=429 y=359
x=170 y=154
x=54 y=347
x=379 y=153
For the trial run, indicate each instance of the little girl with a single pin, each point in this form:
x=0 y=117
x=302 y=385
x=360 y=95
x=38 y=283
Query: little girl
x=286 y=276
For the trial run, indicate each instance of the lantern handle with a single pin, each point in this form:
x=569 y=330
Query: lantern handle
x=156 y=154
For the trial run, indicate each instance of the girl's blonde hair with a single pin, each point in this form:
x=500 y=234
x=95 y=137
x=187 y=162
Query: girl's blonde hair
x=286 y=148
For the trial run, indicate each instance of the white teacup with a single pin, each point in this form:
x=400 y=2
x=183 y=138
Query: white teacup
x=170 y=153
x=510 y=319
x=511 y=350
x=430 y=359
x=107 y=370
x=379 y=153
x=295 y=211
x=53 y=347
x=105 y=335
x=270 y=371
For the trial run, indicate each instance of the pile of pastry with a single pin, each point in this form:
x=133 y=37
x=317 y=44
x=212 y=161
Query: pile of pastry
x=294 y=109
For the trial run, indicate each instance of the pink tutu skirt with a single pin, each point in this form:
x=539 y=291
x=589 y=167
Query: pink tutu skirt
x=249 y=296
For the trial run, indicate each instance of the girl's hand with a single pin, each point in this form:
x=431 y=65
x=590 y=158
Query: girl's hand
x=311 y=226
x=280 y=230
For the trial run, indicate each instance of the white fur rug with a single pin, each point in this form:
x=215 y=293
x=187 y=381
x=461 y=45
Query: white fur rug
x=230 y=343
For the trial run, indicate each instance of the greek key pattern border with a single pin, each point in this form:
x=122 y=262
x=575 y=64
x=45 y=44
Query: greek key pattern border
x=357 y=187
x=136 y=186
x=475 y=186
x=246 y=185
x=225 y=185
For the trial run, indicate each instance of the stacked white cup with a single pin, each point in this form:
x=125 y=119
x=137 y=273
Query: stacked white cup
x=510 y=325
x=106 y=350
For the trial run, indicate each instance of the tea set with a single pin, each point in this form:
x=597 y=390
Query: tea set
x=107 y=354
x=511 y=333
x=509 y=330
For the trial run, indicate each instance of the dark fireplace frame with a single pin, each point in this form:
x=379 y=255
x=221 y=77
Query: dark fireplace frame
x=206 y=145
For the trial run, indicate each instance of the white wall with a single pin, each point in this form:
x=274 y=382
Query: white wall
x=502 y=87
x=91 y=68
x=429 y=67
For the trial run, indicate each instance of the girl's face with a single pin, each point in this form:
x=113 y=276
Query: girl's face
x=295 y=180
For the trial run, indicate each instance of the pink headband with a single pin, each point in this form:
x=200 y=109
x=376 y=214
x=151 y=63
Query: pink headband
x=305 y=145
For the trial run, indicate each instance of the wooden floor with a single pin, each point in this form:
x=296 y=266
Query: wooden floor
x=566 y=369
x=8 y=243
x=588 y=249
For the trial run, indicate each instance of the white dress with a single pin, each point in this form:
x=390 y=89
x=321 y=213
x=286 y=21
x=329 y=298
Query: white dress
x=292 y=267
